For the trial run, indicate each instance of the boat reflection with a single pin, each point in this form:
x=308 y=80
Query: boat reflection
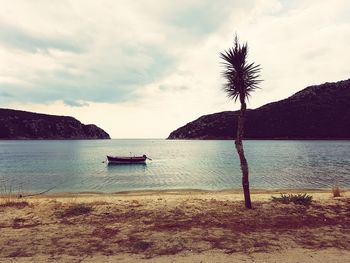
x=127 y=169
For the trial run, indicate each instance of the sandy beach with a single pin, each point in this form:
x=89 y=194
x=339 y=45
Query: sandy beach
x=174 y=226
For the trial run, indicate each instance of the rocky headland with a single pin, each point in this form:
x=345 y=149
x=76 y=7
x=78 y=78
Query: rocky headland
x=316 y=112
x=21 y=125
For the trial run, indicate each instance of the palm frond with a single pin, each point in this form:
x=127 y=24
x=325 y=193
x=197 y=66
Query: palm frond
x=242 y=78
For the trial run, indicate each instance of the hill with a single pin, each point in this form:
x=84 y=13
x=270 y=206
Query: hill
x=15 y=124
x=316 y=112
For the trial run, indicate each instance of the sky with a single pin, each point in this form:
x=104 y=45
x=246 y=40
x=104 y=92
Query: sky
x=141 y=69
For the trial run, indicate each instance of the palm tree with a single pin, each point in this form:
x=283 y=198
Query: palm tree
x=242 y=78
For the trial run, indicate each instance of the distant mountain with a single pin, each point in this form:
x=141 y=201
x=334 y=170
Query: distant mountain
x=15 y=124
x=316 y=112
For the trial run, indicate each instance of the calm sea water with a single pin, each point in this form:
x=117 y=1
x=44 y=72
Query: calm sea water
x=77 y=165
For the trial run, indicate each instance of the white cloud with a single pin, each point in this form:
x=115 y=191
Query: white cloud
x=144 y=68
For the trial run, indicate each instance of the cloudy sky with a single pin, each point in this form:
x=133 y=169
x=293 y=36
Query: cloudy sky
x=140 y=69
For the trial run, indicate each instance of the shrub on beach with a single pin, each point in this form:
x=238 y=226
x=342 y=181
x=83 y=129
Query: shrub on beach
x=298 y=199
x=336 y=191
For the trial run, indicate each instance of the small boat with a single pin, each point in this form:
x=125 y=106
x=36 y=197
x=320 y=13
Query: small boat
x=127 y=160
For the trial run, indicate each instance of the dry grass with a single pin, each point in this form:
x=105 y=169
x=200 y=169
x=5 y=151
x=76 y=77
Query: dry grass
x=159 y=226
x=74 y=210
x=14 y=204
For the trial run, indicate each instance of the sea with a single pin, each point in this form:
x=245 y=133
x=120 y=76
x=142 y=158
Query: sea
x=79 y=165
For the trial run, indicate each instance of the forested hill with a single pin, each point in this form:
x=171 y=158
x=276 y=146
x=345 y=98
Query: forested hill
x=15 y=124
x=316 y=112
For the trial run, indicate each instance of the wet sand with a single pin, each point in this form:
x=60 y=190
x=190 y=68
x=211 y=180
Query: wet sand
x=174 y=226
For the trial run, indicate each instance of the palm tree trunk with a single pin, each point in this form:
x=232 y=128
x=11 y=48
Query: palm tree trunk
x=240 y=151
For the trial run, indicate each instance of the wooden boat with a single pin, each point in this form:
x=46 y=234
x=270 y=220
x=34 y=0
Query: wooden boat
x=127 y=160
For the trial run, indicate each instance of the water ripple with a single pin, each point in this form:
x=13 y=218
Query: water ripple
x=77 y=165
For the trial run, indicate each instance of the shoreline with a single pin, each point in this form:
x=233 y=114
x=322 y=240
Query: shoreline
x=183 y=191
